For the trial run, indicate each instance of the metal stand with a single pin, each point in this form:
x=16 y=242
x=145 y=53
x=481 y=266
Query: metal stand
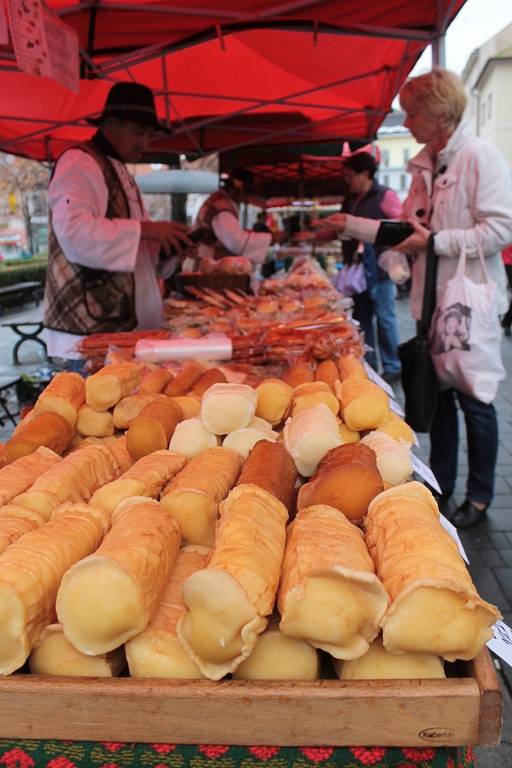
x=26 y=336
x=4 y=403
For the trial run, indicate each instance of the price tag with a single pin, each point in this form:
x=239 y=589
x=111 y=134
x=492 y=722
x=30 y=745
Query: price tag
x=501 y=643
x=374 y=376
x=43 y=44
x=451 y=529
x=425 y=472
x=396 y=407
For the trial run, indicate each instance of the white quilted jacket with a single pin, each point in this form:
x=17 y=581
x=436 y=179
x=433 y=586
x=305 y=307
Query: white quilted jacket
x=471 y=198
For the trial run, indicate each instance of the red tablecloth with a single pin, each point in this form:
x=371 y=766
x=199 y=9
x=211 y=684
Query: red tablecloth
x=90 y=754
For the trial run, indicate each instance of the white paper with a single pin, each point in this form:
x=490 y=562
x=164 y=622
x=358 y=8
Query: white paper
x=451 y=529
x=4 y=29
x=396 y=407
x=43 y=44
x=62 y=42
x=213 y=347
x=374 y=376
x=501 y=643
x=425 y=472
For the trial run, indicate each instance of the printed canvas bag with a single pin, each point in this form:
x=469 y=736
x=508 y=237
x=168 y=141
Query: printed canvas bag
x=465 y=334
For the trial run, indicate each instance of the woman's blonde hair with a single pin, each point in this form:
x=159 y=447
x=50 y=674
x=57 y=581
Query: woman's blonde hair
x=440 y=94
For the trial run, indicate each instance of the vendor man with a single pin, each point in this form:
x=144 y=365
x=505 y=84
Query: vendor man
x=103 y=252
x=219 y=214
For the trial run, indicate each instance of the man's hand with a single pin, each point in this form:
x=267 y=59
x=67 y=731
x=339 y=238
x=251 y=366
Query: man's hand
x=418 y=241
x=171 y=236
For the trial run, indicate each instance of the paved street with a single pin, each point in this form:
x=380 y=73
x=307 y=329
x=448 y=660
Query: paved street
x=489 y=546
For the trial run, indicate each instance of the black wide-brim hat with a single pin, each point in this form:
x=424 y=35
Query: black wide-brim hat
x=131 y=101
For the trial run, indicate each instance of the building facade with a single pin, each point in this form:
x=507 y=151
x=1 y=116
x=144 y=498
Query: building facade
x=488 y=80
x=397 y=146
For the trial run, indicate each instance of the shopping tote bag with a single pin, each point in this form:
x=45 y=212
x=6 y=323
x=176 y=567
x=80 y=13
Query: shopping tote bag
x=465 y=334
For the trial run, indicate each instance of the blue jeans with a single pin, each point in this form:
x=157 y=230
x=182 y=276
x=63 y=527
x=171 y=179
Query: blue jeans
x=482 y=433
x=384 y=294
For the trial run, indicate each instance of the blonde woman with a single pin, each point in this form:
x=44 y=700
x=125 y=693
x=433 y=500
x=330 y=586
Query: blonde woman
x=461 y=189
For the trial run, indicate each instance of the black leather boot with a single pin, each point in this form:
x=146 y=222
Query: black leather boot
x=467 y=515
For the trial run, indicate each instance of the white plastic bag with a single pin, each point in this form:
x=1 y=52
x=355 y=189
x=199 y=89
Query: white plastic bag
x=396 y=265
x=351 y=279
x=465 y=334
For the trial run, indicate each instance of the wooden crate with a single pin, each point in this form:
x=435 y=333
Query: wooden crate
x=456 y=711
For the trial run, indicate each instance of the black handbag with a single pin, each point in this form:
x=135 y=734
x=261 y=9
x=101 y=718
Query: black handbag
x=419 y=379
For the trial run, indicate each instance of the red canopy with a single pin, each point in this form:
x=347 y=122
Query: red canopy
x=238 y=74
x=279 y=172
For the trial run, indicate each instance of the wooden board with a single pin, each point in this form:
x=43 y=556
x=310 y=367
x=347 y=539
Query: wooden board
x=456 y=711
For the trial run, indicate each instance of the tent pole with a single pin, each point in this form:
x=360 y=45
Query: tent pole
x=439 y=51
x=166 y=91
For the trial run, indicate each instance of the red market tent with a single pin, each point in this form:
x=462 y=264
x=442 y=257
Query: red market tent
x=228 y=74
x=281 y=173
x=311 y=171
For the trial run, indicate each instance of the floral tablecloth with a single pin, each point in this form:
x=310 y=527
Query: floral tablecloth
x=90 y=754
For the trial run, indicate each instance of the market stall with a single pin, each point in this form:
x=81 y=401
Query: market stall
x=81 y=477
x=122 y=469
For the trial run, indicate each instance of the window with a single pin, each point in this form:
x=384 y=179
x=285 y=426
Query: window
x=407 y=155
x=385 y=180
x=403 y=181
x=482 y=110
x=385 y=158
x=489 y=106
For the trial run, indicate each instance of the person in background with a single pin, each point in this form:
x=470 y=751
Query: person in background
x=260 y=225
x=103 y=254
x=506 y=321
x=219 y=214
x=372 y=200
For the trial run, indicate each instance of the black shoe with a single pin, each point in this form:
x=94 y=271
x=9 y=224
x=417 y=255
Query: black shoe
x=467 y=515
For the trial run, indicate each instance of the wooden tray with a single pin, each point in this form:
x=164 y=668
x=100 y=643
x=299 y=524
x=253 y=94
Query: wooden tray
x=453 y=712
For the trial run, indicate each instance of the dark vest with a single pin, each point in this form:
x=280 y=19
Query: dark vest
x=81 y=300
x=217 y=202
x=369 y=208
